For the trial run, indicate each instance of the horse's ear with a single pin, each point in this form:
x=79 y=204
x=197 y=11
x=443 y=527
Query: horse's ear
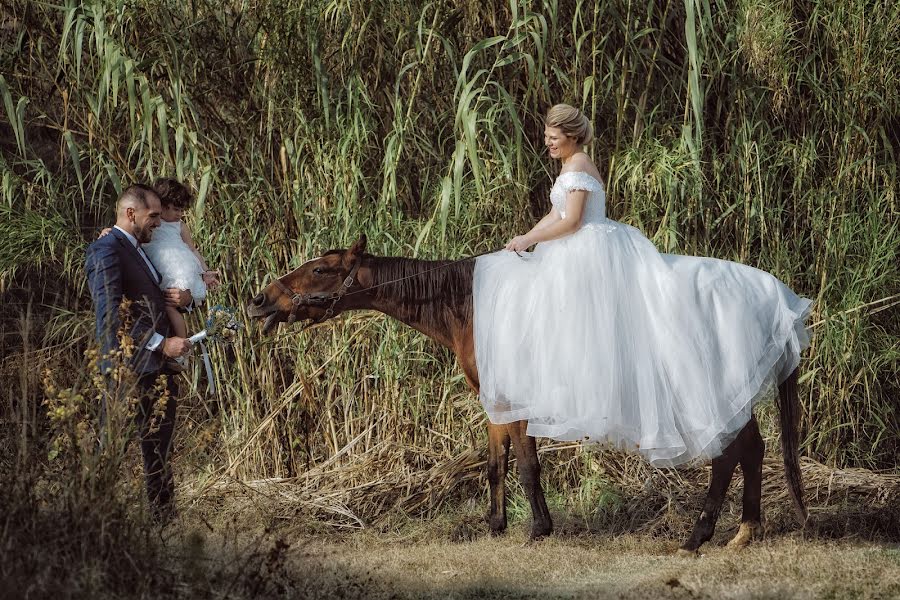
x=356 y=250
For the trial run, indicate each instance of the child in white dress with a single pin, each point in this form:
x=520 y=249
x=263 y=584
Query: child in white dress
x=173 y=253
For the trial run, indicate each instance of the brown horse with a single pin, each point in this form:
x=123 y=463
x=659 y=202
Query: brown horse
x=435 y=297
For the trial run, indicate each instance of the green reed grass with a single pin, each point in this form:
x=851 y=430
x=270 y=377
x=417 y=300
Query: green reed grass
x=763 y=132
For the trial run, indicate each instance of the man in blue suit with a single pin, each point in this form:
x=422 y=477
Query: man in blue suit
x=118 y=269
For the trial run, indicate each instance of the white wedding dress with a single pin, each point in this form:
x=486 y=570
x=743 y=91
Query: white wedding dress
x=597 y=336
x=178 y=266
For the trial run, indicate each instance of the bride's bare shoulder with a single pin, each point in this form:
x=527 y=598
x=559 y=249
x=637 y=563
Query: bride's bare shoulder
x=582 y=162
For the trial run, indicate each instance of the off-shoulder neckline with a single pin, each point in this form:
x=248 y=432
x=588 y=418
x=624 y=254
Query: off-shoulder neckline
x=585 y=173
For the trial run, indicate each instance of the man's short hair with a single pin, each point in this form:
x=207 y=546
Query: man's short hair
x=136 y=192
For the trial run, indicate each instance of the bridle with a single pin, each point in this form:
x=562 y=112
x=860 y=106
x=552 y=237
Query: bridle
x=318 y=298
x=322 y=298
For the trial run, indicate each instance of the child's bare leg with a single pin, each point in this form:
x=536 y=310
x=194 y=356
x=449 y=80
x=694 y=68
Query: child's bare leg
x=179 y=327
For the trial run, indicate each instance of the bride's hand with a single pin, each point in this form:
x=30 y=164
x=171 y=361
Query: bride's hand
x=518 y=244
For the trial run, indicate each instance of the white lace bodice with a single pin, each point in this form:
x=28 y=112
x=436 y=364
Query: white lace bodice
x=168 y=233
x=594 y=208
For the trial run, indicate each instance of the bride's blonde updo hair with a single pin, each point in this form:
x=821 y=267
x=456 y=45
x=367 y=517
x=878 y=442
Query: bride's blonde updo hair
x=571 y=122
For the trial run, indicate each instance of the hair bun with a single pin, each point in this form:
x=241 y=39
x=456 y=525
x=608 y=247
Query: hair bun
x=588 y=129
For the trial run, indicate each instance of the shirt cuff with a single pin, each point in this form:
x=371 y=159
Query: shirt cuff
x=154 y=342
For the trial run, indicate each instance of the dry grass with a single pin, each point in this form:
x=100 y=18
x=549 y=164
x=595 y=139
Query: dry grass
x=625 y=567
x=357 y=491
x=418 y=560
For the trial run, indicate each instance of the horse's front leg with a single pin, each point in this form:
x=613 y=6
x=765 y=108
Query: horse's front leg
x=498 y=466
x=530 y=475
x=746 y=448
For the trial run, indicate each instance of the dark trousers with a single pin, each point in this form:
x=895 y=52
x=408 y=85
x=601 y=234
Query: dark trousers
x=155 y=422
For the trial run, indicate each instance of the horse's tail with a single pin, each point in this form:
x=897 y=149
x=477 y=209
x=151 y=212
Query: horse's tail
x=789 y=416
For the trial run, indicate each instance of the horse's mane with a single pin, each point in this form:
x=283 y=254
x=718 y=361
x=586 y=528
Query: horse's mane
x=433 y=291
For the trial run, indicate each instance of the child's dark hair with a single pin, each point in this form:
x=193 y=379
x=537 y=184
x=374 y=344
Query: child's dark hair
x=173 y=193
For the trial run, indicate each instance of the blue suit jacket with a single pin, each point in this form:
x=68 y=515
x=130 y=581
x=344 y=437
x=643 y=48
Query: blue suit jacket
x=115 y=271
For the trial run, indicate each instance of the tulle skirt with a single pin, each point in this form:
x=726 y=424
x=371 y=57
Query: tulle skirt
x=178 y=267
x=599 y=337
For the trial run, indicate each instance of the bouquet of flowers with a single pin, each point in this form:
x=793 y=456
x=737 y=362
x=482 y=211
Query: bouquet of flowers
x=221 y=326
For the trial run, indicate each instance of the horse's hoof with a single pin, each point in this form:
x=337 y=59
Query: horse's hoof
x=749 y=531
x=685 y=553
x=497 y=526
x=539 y=532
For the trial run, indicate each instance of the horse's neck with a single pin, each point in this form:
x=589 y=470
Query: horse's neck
x=434 y=298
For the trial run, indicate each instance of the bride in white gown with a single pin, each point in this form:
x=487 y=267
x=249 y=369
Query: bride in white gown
x=597 y=336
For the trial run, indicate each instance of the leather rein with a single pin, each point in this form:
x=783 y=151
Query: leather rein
x=322 y=298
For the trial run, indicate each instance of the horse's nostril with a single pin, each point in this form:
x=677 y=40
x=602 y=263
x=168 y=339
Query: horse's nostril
x=259 y=300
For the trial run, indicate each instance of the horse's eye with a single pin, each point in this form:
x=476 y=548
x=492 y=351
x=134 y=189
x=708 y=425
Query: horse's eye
x=318 y=271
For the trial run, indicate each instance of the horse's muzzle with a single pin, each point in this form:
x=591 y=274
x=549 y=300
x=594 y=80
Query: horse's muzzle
x=259 y=307
x=260 y=310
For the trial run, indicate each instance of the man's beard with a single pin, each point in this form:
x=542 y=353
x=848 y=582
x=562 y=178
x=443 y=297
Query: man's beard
x=143 y=234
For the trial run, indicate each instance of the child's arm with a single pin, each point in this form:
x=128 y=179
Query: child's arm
x=189 y=241
x=210 y=278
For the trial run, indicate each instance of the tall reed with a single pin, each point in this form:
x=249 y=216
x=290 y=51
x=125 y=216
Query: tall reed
x=763 y=131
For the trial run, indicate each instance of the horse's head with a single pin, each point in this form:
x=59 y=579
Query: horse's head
x=311 y=291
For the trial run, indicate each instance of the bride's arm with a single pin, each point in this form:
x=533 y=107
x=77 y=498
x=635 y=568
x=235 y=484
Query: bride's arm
x=549 y=219
x=563 y=226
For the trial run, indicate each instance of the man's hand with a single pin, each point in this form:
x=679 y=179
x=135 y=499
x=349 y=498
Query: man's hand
x=173 y=347
x=104 y=231
x=178 y=298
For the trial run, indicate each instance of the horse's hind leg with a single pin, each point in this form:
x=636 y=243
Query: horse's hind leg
x=722 y=470
x=530 y=475
x=498 y=465
x=751 y=460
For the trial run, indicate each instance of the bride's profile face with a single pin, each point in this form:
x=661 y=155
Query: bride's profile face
x=558 y=144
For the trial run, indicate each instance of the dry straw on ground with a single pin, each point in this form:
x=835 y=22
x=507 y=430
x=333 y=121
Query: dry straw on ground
x=363 y=490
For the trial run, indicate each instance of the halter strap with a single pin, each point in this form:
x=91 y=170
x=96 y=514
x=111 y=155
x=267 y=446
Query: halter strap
x=318 y=298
